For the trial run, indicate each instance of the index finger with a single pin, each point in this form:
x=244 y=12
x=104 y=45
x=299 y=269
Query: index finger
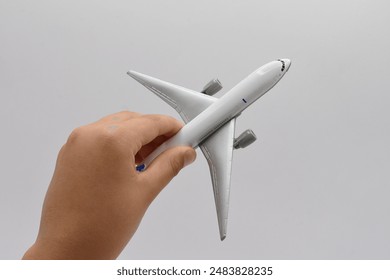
x=144 y=129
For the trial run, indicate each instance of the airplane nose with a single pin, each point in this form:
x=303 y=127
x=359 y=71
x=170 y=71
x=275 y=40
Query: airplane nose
x=287 y=62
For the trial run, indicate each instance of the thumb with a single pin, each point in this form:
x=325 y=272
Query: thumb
x=166 y=166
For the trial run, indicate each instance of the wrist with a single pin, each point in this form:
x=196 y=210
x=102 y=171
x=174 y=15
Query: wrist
x=39 y=251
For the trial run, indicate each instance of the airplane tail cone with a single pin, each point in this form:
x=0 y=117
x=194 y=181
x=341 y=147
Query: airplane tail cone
x=222 y=223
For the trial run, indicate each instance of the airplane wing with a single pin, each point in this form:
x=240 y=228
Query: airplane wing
x=188 y=103
x=218 y=150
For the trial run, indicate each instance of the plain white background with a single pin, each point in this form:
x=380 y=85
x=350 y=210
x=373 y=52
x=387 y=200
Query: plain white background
x=315 y=186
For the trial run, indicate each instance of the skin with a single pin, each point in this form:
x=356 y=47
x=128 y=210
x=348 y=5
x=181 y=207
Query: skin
x=96 y=199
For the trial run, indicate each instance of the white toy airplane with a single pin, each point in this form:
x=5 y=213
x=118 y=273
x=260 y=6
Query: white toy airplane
x=210 y=123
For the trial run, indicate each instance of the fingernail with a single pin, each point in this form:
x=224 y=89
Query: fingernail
x=189 y=157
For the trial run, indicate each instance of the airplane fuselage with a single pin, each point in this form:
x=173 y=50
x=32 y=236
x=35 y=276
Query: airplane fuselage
x=225 y=108
x=210 y=123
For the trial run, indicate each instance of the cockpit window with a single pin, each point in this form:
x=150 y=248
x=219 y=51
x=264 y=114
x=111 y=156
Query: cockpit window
x=283 y=64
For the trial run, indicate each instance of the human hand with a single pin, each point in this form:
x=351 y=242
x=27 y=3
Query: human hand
x=96 y=199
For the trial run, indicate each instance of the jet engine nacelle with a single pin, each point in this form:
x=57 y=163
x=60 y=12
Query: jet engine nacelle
x=245 y=139
x=212 y=87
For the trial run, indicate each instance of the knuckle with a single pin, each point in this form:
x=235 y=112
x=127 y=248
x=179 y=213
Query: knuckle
x=153 y=117
x=101 y=137
x=128 y=114
x=75 y=135
x=110 y=141
x=176 y=165
x=107 y=136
